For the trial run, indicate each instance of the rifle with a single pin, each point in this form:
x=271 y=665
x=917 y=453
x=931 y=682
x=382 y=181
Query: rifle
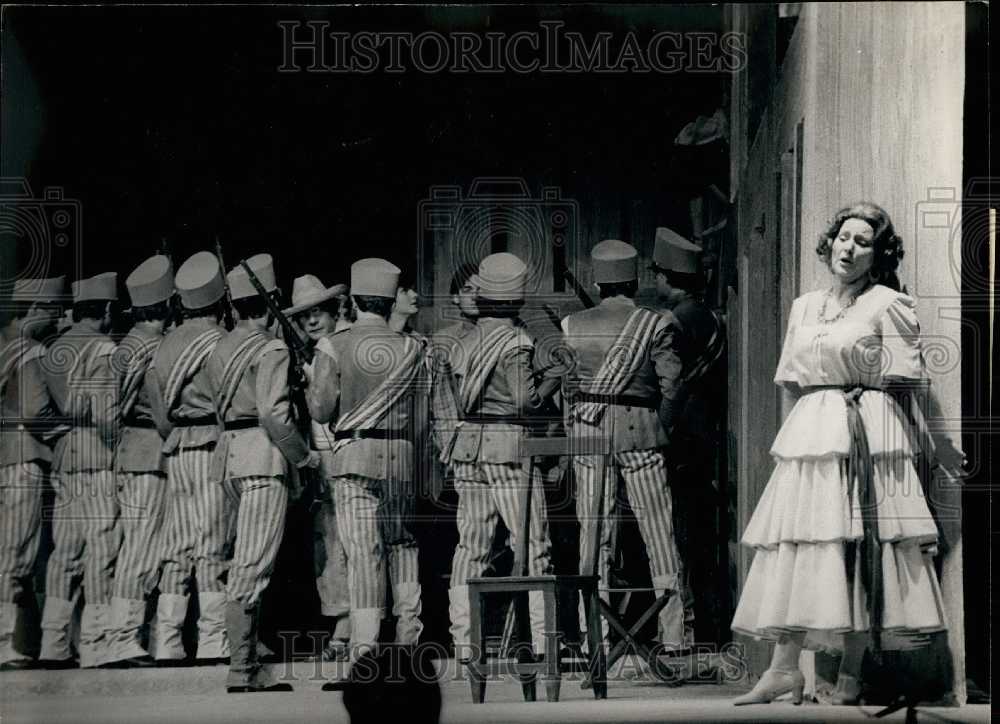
x=581 y=294
x=228 y=311
x=301 y=354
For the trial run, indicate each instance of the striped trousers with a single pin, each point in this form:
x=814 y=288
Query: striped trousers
x=374 y=518
x=486 y=491
x=257 y=505
x=645 y=476
x=331 y=563
x=195 y=522
x=141 y=497
x=86 y=536
x=21 y=487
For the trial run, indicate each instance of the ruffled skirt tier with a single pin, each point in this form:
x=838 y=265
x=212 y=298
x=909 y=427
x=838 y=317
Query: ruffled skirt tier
x=805 y=521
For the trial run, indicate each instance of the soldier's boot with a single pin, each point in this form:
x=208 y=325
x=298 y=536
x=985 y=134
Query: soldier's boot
x=406 y=607
x=166 y=641
x=675 y=633
x=213 y=641
x=365 y=626
x=245 y=671
x=458 y=613
x=94 y=638
x=12 y=622
x=127 y=621
x=57 y=616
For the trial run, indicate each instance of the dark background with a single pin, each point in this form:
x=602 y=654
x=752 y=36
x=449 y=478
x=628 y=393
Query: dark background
x=174 y=122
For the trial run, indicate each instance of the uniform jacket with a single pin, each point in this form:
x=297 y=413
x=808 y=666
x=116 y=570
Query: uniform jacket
x=89 y=404
x=195 y=400
x=509 y=390
x=140 y=445
x=591 y=333
x=25 y=399
x=698 y=403
x=262 y=396
x=360 y=359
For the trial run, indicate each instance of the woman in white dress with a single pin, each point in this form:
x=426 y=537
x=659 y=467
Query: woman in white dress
x=843 y=537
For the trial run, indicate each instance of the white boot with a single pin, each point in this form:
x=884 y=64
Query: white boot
x=213 y=641
x=458 y=612
x=672 y=631
x=57 y=616
x=11 y=621
x=365 y=626
x=94 y=629
x=166 y=643
x=406 y=607
x=127 y=620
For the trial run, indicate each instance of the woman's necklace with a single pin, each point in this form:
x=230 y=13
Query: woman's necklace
x=821 y=313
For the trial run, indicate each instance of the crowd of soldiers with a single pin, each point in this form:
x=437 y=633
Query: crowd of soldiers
x=174 y=454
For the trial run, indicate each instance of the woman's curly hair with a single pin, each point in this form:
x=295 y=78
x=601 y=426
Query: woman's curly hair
x=887 y=244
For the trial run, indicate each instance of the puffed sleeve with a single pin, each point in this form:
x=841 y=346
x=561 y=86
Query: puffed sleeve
x=785 y=373
x=901 y=340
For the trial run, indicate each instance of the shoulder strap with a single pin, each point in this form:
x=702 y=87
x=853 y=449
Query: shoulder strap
x=135 y=372
x=621 y=361
x=379 y=401
x=710 y=355
x=188 y=363
x=236 y=368
x=11 y=357
x=484 y=360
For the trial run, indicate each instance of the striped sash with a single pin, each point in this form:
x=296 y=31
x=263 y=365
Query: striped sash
x=710 y=355
x=188 y=363
x=236 y=368
x=379 y=401
x=621 y=362
x=485 y=359
x=135 y=372
x=12 y=355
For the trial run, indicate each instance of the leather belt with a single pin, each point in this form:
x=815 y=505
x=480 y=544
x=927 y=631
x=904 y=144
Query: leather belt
x=140 y=424
x=369 y=434
x=197 y=421
x=650 y=403
x=496 y=420
x=246 y=424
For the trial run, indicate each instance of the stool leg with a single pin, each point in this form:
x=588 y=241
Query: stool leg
x=522 y=617
x=598 y=664
x=477 y=659
x=553 y=673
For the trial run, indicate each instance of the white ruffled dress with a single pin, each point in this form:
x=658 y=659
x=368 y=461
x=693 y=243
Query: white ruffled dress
x=798 y=580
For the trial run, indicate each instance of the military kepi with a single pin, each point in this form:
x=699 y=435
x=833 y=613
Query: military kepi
x=374 y=278
x=199 y=281
x=99 y=288
x=240 y=286
x=614 y=261
x=673 y=252
x=501 y=277
x=152 y=282
x=38 y=290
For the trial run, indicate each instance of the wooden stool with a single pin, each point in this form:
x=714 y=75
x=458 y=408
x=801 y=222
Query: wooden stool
x=527 y=667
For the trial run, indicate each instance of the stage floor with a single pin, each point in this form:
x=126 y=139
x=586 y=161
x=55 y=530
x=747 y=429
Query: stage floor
x=196 y=694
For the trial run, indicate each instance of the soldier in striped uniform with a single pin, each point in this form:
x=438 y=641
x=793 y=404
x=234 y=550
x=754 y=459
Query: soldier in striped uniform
x=368 y=384
x=700 y=342
x=623 y=390
x=184 y=410
x=86 y=535
x=493 y=365
x=24 y=457
x=142 y=472
x=316 y=309
x=248 y=375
